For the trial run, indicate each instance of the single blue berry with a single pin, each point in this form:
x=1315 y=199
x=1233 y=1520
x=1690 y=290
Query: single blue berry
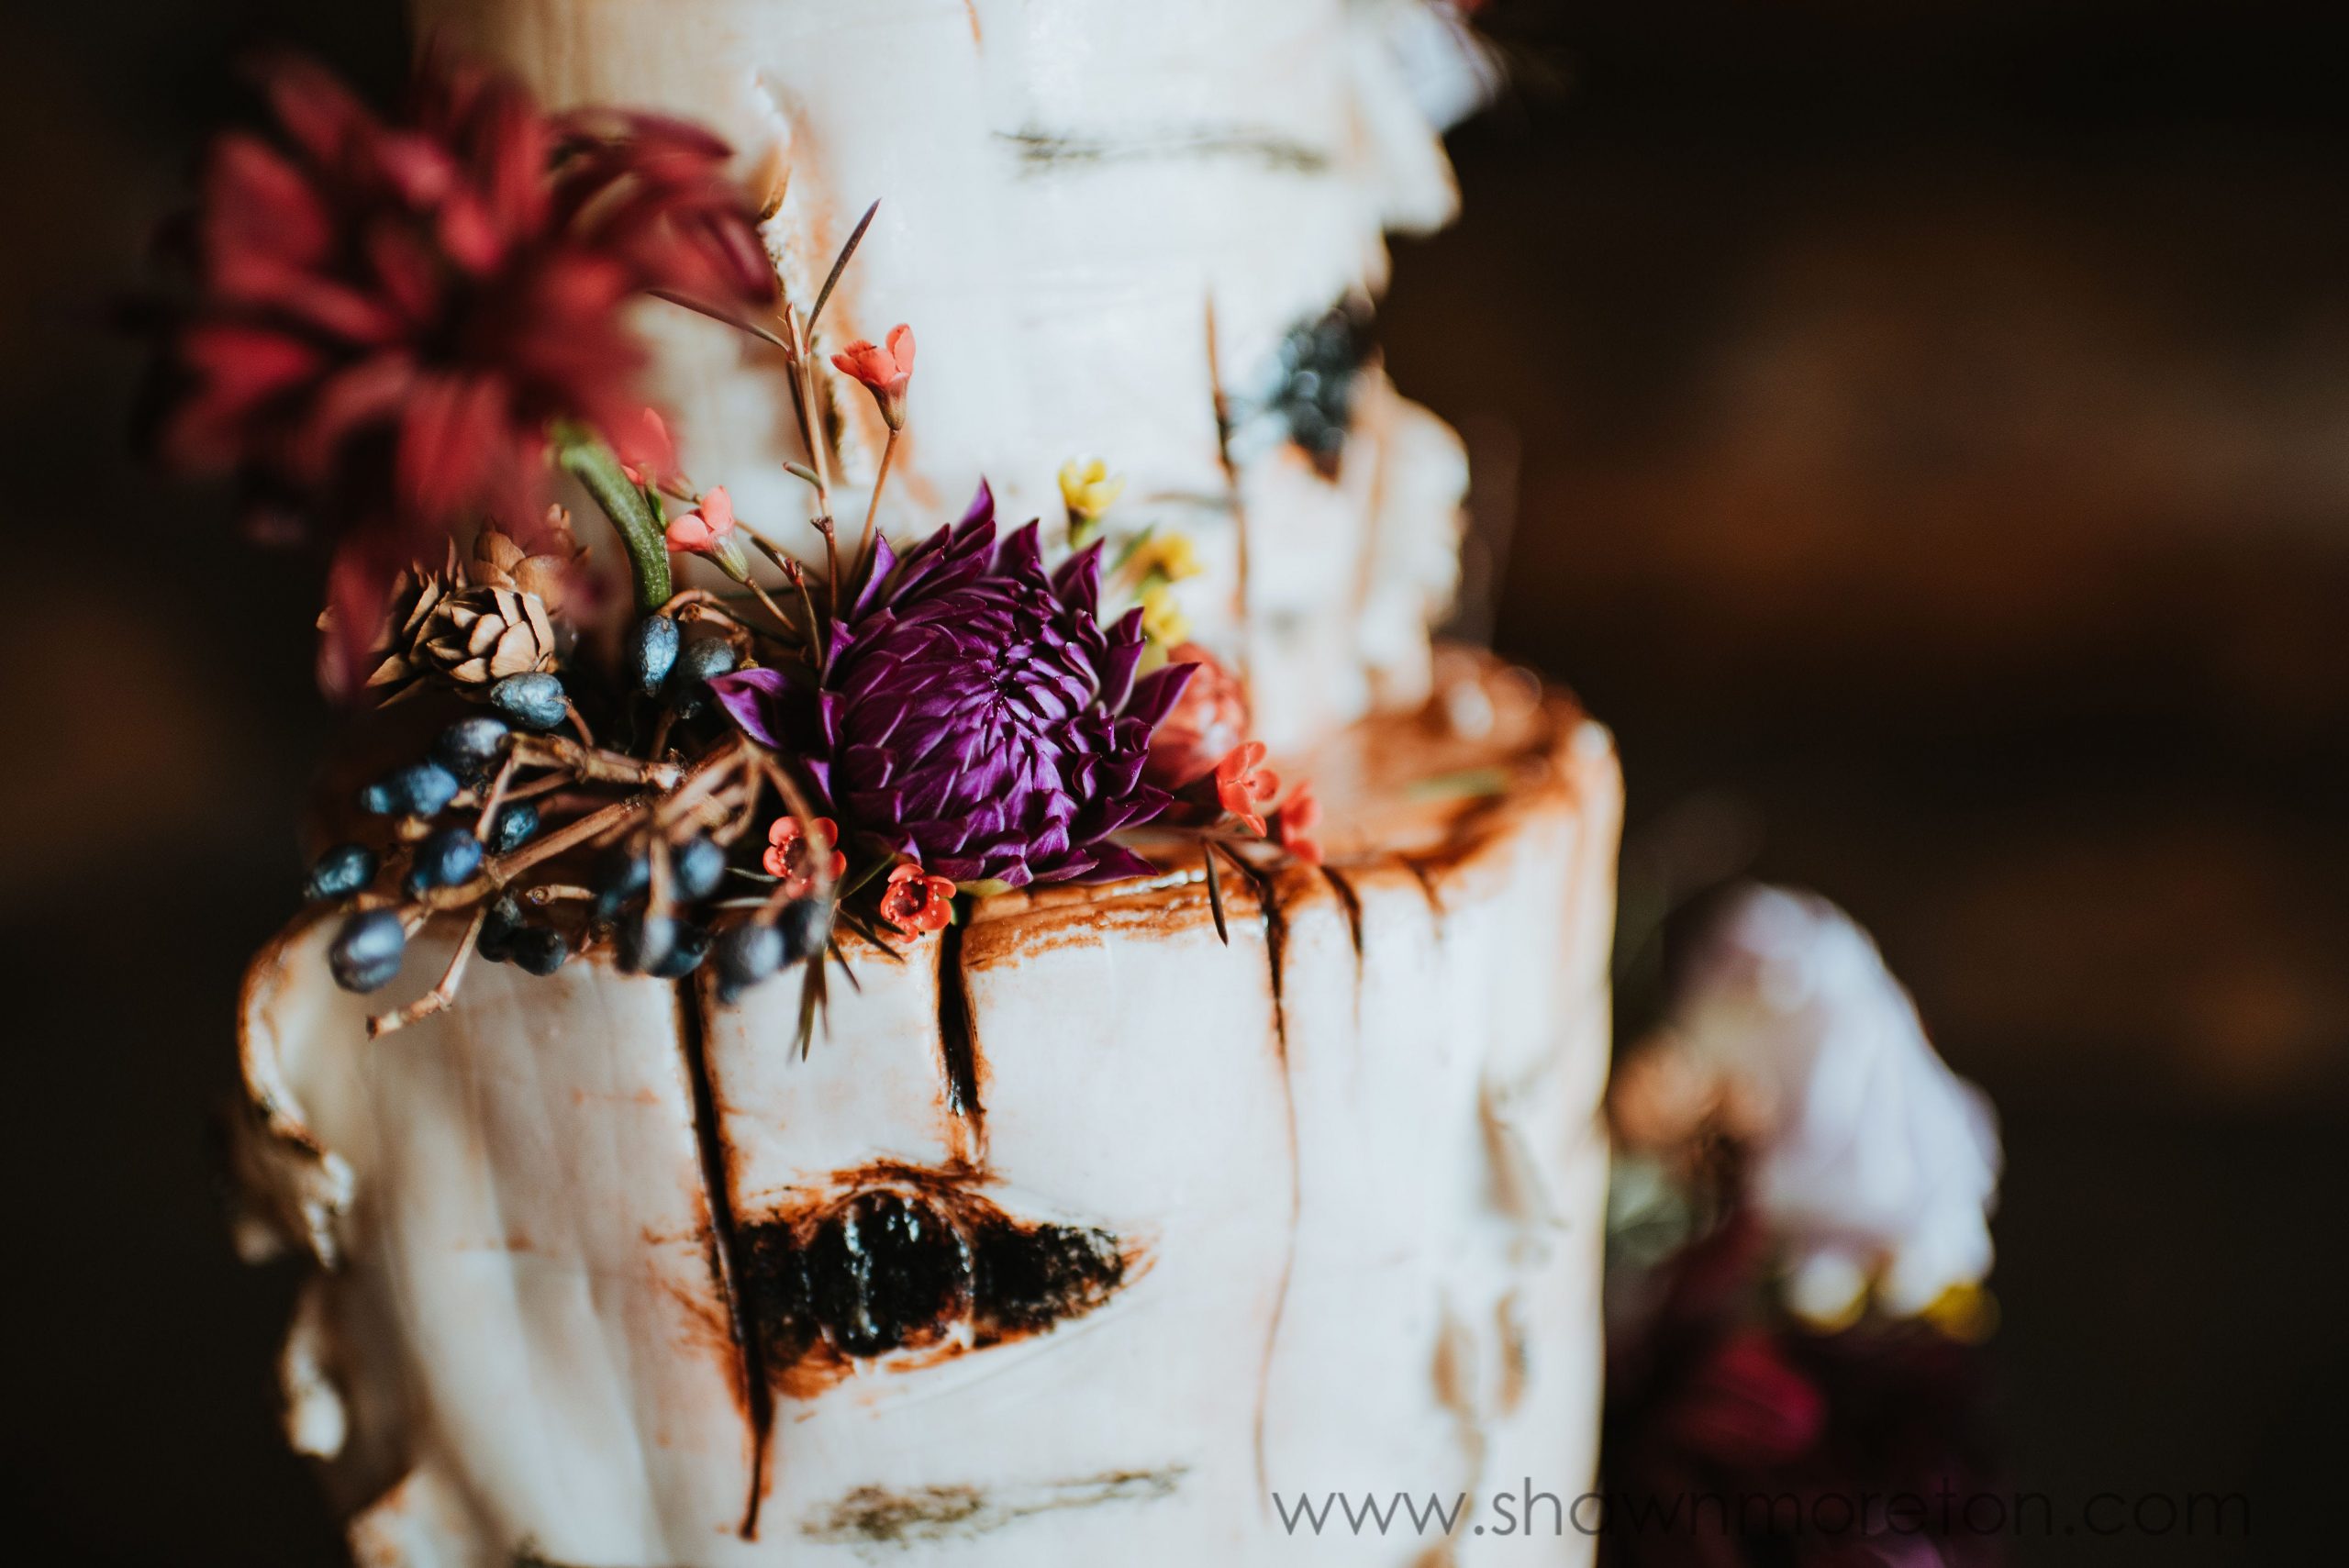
x=340 y=872
x=701 y=662
x=621 y=875
x=471 y=745
x=515 y=824
x=744 y=955
x=805 y=923
x=534 y=701
x=367 y=951
x=686 y=952
x=420 y=789
x=696 y=868
x=644 y=939
x=498 y=928
x=443 y=860
x=537 y=949
x=650 y=653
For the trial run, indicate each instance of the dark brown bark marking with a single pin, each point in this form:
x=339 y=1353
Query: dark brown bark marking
x=725 y=1240
x=958 y=1049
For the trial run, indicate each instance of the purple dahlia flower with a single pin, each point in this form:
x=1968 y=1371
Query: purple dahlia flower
x=976 y=715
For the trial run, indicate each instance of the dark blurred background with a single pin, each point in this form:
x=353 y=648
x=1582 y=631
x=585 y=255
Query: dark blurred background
x=1927 y=422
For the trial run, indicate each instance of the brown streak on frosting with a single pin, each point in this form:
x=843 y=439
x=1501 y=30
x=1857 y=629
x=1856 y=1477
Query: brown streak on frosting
x=958 y=1052
x=1352 y=901
x=924 y=1515
x=725 y=1241
x=1272 y=901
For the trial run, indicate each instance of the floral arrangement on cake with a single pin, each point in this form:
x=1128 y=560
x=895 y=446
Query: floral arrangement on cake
x=404 y=332
x=1797 y=1250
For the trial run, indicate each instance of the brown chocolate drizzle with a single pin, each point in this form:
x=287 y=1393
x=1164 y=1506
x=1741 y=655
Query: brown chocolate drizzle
x=958 y=1049
x=725 y=1255
x=924 y=1515
x=1275 y=948
x=1422 y=874
x=1351 y=900
x=894 y=1258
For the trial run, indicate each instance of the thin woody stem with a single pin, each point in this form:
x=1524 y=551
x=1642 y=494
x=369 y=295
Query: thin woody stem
x=873 y=508
x=440 y=996
x=495 y=876
x=593 y=765
x=773 y=608
x=496 y=798
x=832 y=563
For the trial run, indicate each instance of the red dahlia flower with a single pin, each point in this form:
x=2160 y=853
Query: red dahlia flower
x=390 y=314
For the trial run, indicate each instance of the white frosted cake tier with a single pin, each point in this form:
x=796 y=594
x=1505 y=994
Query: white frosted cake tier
x=1079 y=1237
x=1070 y=190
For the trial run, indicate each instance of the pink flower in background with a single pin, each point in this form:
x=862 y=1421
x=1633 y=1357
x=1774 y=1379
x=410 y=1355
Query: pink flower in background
x=1874 y=1164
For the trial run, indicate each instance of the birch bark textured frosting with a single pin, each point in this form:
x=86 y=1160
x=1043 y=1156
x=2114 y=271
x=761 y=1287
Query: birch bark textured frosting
x=1340 y=1181
x=1114 y=1220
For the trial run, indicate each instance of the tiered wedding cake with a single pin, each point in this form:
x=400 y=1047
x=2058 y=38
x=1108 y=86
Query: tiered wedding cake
x=1111 y=1219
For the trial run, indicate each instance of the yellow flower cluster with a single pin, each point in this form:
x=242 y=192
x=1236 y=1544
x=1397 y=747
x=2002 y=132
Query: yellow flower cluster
x=1089 y=487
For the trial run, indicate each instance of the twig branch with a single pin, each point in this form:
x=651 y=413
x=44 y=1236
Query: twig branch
x=440 y=996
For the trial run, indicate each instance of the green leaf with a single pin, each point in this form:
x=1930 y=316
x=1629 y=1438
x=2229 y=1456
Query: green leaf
x=583 y=455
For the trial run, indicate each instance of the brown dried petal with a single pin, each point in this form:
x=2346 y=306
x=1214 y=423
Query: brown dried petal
x=542 y=577
x=516 y=653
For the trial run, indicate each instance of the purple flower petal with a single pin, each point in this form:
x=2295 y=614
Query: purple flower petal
x=1112 y=862
x=751 y=697
x=1155 y=695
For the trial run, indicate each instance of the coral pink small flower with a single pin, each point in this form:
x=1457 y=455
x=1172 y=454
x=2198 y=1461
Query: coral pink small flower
x=1242 y=780
x=697 y=532
x=884 y=370
x=792 y=854
x=1294 y=823
x=915 y=901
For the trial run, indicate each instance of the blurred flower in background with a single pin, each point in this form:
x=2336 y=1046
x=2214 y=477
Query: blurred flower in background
x=1797 y=1241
